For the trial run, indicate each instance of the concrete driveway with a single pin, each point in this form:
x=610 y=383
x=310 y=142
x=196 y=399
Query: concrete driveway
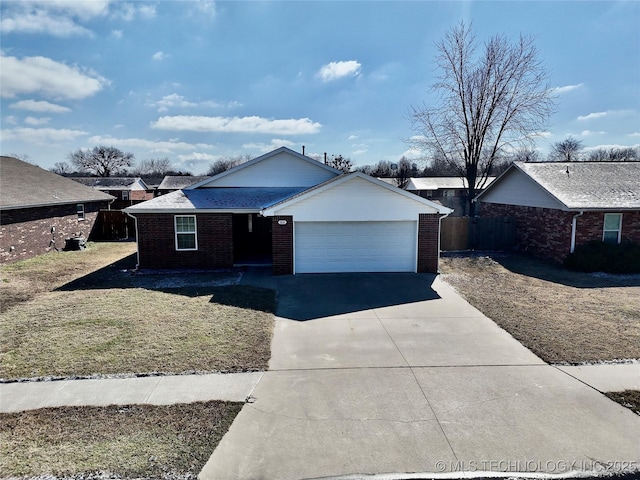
x=395 y=373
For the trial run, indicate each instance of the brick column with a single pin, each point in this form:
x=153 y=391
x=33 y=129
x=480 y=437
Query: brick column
x=428 y=244
x=282 y=245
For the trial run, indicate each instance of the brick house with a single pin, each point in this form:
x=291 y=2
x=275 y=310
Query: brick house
x=39 y=209
x=126 y=190
x=293 y=212
x=558 y=206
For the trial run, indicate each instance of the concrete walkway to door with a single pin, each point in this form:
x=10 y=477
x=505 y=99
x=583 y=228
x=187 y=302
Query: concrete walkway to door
x=395 y=373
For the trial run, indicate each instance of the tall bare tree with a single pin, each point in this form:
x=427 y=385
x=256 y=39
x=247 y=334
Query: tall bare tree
x=153 y=167
x=101 y=160
x=568 y=150
x=485 y=103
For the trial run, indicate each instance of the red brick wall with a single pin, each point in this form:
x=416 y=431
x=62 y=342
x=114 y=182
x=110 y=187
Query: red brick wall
x=428 y=245
x=282 y=245
x=28 y=230
x=156 y=242
x=546 y=233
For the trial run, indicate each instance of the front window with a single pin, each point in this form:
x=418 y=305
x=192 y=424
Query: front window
x=80 y=211
x=125 y=195
x=186 y=236
x=612 y=227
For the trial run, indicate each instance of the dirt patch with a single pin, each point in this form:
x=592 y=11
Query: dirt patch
x=562 y=316
x=628 y=398
x=135 y=441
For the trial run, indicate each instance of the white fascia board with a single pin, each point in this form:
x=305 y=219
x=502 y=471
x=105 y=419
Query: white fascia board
x=270 y=211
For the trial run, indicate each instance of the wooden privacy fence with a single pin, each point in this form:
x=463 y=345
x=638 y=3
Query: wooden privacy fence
x=113 y=225
x=478 y=233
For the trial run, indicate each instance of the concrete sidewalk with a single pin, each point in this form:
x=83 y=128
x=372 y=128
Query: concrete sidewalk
x=362 y=383
x=160 y=390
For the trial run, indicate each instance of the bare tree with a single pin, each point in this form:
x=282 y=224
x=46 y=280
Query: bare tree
x=568 y=150
x=62 y=168
x=525 y=155
x=101 y=160
x=485 y=103
x=226 y=163
x=625 y=154
x=340 y=163
x=153 y=167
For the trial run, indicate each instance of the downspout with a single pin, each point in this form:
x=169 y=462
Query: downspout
x=574 y=226
x=135 y=220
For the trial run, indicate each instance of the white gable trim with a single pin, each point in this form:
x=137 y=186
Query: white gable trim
x=518 y=170
x=271 y=211
x=266 y=156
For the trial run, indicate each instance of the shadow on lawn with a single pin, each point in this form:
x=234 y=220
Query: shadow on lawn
x=551 y=272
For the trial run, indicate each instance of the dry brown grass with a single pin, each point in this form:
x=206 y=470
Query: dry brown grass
x=627 y=398
x=562 y=316
x=139 y=441
x=81 y=318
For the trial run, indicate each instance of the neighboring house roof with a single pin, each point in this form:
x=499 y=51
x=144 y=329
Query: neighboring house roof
x=23 y=185
x=113 y=183
x=568 y=185
x=231 y=199
x=334 y=182
x=435 y=183
x=178 y=182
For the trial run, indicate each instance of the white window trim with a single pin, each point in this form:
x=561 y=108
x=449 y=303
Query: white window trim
x=80 y=211
x=176 y=233
x=125 y=195
x=604 y=225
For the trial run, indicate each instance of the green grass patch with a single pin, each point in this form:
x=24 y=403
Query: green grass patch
x=136 y=441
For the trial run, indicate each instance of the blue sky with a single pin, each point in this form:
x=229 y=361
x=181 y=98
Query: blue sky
x=198 y=80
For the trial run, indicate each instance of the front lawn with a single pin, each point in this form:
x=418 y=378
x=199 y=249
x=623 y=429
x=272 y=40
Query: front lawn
x=135 y=441
x=561 y=315
x=81 y=317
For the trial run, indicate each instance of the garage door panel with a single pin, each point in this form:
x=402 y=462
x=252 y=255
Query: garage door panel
x=355 y=247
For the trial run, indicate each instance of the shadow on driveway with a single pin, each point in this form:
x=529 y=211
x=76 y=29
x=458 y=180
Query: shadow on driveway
x=306 y=297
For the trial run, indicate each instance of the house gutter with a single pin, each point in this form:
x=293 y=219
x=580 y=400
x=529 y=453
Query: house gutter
x=574 y=226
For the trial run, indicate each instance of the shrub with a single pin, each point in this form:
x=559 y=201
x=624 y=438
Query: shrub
x=599 y=256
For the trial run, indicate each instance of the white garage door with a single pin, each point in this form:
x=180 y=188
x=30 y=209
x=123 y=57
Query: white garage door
x=323 y=247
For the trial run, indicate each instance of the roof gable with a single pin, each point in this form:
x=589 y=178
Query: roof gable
x=280 y=168
x=354 y=196
x=435 y=183
x=24 y=185
x=568 y=185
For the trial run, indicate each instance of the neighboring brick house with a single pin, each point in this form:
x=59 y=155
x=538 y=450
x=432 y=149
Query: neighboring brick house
x=449 y=191
x=558 y=206
x=127 y=190
x=293 y=212
x=39 y=209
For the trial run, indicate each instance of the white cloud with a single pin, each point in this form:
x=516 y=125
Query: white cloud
x=352 y=137
x=268 y=147
x=335 y=70
x=12 y=120
x=176 y=100
x=39 y=106
x=147 y=11
x=116 y=33
x=206 y=157
x=41 y=136
x=362 y=151
x=48 y=78
x=634 y=134
x=54 y=17
x=159 y=146
x=608 y=113
x=589 y=133
x=207 y=7
x=566 y=88
x=36 y=122
x=252 y=124
x=159 y=56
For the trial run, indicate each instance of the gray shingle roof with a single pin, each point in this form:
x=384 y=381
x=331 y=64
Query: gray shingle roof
x=232 y=199
x=177 y=182
x=24 y=185
x=108 y=183
x=589 y=185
